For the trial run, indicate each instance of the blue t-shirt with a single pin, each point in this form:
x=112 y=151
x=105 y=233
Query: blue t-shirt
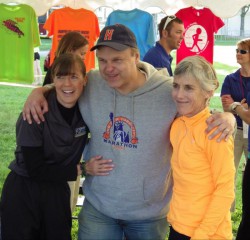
x=140 y=22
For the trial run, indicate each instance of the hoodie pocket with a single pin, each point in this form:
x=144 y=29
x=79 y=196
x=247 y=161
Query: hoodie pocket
x=156 y=187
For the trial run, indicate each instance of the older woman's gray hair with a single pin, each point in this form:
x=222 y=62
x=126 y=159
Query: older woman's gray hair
x=199 y=69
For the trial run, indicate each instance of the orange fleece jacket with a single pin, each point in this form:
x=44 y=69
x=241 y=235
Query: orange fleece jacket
x=203 y=172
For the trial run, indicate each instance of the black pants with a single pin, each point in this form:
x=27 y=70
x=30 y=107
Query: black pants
x=173 y=235
x=244 y=228
x=35 y=211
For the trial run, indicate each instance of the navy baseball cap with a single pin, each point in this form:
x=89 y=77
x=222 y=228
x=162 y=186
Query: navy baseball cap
x=117 y=36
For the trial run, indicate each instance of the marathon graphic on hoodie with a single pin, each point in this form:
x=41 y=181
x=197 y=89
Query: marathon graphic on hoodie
x=123 y=130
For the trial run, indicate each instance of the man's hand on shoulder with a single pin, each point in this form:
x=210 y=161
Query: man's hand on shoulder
x=36 y=105
x=221 y=125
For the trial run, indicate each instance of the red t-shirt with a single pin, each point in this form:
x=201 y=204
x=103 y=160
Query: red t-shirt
x=67 y=19
x=200 y=26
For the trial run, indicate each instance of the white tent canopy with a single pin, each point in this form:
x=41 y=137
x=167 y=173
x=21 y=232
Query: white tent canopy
x=221 y=8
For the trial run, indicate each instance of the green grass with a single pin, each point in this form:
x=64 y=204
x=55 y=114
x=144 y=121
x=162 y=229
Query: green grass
x=225 y=40
x=12 y=99
x=45 y=44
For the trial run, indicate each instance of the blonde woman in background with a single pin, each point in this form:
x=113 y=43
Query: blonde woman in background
x=241 y=109
x=234 y=89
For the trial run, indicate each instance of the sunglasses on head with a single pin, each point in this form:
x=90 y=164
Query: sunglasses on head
x=241 y=51
x=169 y=19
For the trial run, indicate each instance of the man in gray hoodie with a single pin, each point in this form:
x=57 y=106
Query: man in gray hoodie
x=128 y=108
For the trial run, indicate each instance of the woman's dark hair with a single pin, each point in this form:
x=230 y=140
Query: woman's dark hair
x=71 y=41
x=65 y=65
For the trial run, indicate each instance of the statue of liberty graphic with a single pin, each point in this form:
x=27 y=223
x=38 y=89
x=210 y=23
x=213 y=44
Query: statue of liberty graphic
x=119 y=134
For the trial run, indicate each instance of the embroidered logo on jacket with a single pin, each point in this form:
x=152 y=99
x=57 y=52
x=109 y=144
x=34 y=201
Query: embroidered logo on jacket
x=120 y=132
x=80 y=131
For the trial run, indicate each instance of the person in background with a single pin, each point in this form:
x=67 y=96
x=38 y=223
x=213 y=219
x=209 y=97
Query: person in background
x=35 y=201
x=234 y=89
x=203 y=169
x=46 y=64
x=171 y=31
x=128 y=108
x=242 y=110
x=71 y=42
x=37 y=68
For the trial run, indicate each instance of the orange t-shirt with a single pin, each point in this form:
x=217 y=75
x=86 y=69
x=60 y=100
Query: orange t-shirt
x=67 y=19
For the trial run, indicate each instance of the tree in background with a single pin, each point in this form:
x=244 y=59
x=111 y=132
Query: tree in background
x=244 y=11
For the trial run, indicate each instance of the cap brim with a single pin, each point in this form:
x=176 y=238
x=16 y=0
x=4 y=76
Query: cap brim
x=114 y=45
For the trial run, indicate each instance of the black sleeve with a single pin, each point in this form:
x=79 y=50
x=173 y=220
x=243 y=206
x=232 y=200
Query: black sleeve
x=39 y=170
x=48 y=78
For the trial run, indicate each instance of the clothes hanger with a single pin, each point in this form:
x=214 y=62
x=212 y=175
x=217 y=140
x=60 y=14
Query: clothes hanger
x=198 y=5
x=12 y=3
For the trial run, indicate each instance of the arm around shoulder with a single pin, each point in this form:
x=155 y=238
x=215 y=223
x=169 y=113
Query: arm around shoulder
x=221 y=125
x=36 y=104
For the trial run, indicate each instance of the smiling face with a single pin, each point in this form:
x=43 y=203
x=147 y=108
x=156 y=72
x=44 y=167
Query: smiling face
x=69 y=88
x=194 y=83
x=188 y=96
x=68 y=72
x=118 y=68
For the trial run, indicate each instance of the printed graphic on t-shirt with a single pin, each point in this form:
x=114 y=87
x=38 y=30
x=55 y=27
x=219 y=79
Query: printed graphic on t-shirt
x=200 y=25
x=196 y=38
x=120 y=132
x=62 y=32
x=12 y=26
x=19 y=34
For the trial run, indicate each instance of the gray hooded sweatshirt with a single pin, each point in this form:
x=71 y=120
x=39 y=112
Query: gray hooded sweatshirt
x=132 y=130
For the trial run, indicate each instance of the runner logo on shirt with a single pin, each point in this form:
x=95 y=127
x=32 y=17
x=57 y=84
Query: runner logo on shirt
x=196 y=38
x=120 y=132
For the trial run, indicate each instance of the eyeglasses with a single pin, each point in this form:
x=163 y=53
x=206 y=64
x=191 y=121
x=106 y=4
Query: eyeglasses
x=169 y=19
x=241 y=51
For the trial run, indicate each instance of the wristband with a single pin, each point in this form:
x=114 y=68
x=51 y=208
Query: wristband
x=82 y=166
x=233 y=106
